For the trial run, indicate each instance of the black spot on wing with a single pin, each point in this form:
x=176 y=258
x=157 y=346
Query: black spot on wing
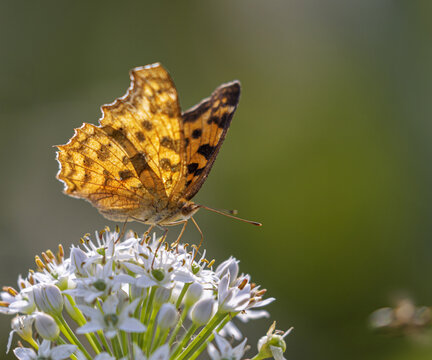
x=221 y=121
x=140 y=136
x=147 y=125
x=125 y=174
x=192 y=167
x=199 y=171
x=169 y=143
x=103 y=153
x=206 y=150
x=196 y=133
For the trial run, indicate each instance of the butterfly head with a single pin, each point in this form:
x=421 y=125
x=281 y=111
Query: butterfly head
x=189 y=209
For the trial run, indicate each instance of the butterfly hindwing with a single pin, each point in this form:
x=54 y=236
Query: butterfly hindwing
x=205 y=127
x=92 y=167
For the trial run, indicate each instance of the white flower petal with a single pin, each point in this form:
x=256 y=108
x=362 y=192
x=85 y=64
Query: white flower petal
x=223 y=344
x=89 y=327
x=277 y=352
x=161 y=353
x=212 y=351
x=264 y=302
x=132 y=325
x=25 y=353
x=89 y=311
x=104 y=356
x=145 y=282
x=9 y=343
x=63 y=352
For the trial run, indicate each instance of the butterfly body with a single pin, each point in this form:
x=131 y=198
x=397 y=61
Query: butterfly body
x=146 y=159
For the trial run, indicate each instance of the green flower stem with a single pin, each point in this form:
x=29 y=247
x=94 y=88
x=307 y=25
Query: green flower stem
x=182 y=294
x=156 y=339
x=185 y=339
x=116 y=347
x=124 y=339
x=179 y=324
x=211 y=337
x=67 y=331
x=138 y=314
x=81 y=320
x=145 y=315
x=149 y=307
x=202 y=336
x=120 y=344
x=160 y=338
x=104 y=342
x=150 y=329
x=32 y=343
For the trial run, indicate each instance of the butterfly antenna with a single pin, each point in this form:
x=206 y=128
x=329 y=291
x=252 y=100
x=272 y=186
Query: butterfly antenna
x=229 y=213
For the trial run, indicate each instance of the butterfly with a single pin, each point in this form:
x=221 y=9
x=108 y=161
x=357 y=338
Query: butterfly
x=146 y=160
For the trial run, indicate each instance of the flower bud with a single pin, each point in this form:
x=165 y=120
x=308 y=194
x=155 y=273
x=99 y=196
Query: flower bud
x=78 y=258
x=162 y=295
x=193 y=294
x=228 y=266
x=202 y=311
x=46 y=327
x=49 y=299
x=167 y=316
x=272 y=345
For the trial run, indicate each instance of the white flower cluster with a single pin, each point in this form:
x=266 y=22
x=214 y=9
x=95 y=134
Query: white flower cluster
x=131 y=299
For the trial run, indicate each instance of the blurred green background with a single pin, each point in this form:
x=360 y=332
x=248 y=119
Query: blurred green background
x=330 y=147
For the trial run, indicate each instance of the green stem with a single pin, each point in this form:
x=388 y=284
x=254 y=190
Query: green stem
x=67 y=331
x=124 y=342
x=185 y=339
x=160 y=338
x=182 y=294
x=210 y=338
x=150 y=329
x=116 y=347
x=202 y=336
x=104 y=342
x=145 y=315
x=81 y=320
x=32 y=343
x=179 y=325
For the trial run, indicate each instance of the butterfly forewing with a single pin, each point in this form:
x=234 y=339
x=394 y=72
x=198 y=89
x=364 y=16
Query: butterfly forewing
x=205 y=127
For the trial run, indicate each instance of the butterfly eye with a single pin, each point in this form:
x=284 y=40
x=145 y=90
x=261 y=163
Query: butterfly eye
x=189 y=209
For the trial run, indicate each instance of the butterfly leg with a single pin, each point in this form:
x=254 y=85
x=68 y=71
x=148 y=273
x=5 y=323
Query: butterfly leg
x=161 y=241
x=122 y=231
x=175 y=244
x=201 y=233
